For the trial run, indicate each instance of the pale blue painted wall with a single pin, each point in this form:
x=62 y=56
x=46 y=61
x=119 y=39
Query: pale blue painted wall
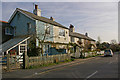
x=40 y=30
x=20 y=22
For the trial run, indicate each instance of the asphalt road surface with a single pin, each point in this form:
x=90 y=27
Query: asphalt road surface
x=99 y=67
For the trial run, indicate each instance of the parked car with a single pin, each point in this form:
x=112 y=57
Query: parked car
x=108 y=52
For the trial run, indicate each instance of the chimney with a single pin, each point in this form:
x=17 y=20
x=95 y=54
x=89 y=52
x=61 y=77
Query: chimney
x=37 y=11
x=71 y=28
x=86 y=34
x=51 y=18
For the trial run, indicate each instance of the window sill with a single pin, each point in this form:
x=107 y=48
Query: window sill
x=8 y=34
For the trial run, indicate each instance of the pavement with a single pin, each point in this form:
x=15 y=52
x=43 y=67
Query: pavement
x=94 y=67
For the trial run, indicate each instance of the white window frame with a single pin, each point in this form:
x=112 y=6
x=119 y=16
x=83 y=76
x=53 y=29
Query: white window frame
x=62 y=32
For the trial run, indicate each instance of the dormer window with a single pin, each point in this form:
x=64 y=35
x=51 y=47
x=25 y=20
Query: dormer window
x=8 y=31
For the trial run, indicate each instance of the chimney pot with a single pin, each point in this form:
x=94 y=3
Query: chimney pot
x=71 y=28
x=36 y=6
x=86 y=34
x=51 y=18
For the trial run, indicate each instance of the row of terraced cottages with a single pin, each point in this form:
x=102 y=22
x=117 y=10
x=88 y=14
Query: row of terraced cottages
x=23 y=26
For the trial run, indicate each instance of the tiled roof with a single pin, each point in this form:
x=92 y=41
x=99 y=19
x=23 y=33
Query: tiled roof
x=40 y=18
x=78 y=35
x=13 y=42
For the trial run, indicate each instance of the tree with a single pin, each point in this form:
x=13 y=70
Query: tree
x=33 y=50
x=98 y=43
x=113 y=41
x=99 y=39
x=114 y=46
x=42 y=40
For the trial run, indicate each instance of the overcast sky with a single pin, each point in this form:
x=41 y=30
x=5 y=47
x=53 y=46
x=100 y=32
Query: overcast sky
x=96 y=18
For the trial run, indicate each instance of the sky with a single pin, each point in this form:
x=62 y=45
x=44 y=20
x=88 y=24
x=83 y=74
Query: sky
x=95 y=18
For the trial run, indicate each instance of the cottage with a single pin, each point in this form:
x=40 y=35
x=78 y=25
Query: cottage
x=25 y=23
x=83 y=42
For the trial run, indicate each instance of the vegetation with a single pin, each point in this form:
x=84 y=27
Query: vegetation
x=33 y=50
x=113 y=45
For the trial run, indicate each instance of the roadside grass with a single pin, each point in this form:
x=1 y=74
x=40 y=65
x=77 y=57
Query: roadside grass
x=49 y=64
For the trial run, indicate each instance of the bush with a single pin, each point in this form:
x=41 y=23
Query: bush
x=72 y=59
x=33 y=50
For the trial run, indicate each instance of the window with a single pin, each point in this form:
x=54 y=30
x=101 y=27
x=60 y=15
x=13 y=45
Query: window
x=61 y=32
x=47 y=29
x=8 y=31
x=22 y=49
x=28 y=27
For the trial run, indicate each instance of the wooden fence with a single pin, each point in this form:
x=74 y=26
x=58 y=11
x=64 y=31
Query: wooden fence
x=14 y=62
x=40 y=60
x=11 y=62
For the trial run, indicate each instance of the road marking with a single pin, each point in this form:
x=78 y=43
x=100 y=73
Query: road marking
x=91 y=75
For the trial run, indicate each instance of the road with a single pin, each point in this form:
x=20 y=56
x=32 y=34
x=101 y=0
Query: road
x=98 y=67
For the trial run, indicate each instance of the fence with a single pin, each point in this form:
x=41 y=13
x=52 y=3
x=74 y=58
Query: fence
x=40 y=60
x=14 y=62
x=11 y=62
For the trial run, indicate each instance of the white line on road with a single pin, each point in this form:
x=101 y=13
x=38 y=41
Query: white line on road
x=91 y=75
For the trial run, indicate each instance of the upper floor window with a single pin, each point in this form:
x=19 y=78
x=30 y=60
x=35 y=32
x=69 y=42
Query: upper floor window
x=29 y=27
x=61 y=32
x=47 y=29
x=8 y=31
